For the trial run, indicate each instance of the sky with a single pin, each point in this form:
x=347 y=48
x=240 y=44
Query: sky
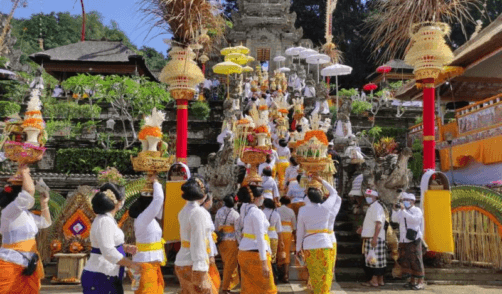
x=124 y=12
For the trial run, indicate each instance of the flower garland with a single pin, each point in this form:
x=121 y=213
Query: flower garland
x=261 y=130
x=283 y=110
x=243 y=122
x=149 y=131
x=320 y=135
x=32 y=113
x=34 y=123
x=263 y=107
x=76 y=247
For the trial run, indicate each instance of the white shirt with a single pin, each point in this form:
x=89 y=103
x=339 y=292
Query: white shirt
x=105 y=235
x=274 y=218
x=414 y=220
x=296 y=192
x=209 y=234
x=264 y=165
x=147 y=229
x=18 y=224
x=193 y=229
x=287 y=215
x=283 y=153
x=314 y=216
x=216 y=83
x=247 y=90
x=291 y=172
x=253 y=222
x=208 y=84
x=309 y=92
x=333 y=204
x=375 y=213
x=270 y=186
x=226 y=216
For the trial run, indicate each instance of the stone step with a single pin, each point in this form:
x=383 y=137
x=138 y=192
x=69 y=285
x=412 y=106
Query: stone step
x=353 y=247
x=344 y=226
x=347 y=236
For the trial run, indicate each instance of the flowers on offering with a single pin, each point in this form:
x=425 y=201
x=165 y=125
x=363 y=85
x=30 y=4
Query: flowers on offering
x=261 y=129
x=495 y=184
x=248 y=149
x=320 y=135
x=243 y=121
x=56 y=246
x=149 y=131
x=262 y=107
x=284 y=111
x=76 y=247
x=370 y=87
x=33 y=113
x=34 y=123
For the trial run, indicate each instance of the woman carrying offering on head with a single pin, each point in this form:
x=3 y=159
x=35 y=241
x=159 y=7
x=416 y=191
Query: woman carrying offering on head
x=254 y=247
x=18 y=271
x=150 y=245
x=104 y=271
x=192 y=261
x=313 y=239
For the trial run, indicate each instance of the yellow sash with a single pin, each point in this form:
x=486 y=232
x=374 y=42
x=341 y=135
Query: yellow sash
x=253 y=237
x=319 y=231
x=227 y=229
x=267 y=191
x=186 y=244
x=286 y=223
x=271 y=228
x=283 y=157
x=27 y=246
x=145 y=247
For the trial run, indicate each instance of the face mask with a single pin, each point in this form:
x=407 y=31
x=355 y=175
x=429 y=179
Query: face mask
x=407 y=204
x=121 y=204
x=369 y=200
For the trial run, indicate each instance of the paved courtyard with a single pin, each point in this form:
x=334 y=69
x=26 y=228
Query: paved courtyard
x=338 y=288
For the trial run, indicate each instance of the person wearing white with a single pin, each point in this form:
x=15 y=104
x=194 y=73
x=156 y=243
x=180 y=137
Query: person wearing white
x=18 y=228
x=295 y=192
x=208 y=84
x=269 y=163
x=288 y=223
x=216 y=83
x=270 y=189
x=225 y=220
x=333 y=204
x=410 y=218
x=247 y=90
x=274 y=233
x=291 y=171
x=192 y=260
x=373 y=235
x=254 y=247
x=283 y=154
x=146 y=211
x=313 y=239
x=213 y=270
x=105 y=267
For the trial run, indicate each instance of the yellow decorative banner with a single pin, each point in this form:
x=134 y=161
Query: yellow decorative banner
x=438 y=222
x=173 y=204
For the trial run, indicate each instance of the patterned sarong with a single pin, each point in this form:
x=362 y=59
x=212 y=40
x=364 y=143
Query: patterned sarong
x=320 y=266
x=191 y=286
x=380 y=250
x=12 y=281
x=152 y=280
x=333 y=256
x=410 y=259
x=287 y=238
x=274 y=244
x=281 y=173
x=228 y=251
x=215 y=275
x=252 y=279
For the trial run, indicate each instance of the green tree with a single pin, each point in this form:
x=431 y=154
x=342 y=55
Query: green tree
x=154 y=59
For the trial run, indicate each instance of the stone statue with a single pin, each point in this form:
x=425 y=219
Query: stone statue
x=221 y=172
x=321 y=100
x=343 y=127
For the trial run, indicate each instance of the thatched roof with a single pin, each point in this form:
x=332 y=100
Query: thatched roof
x=93 y=52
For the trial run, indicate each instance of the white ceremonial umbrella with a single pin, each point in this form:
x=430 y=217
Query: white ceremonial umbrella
x=318 y=59
x=284 y=69
x=279 y=59
x=294 y=51
x=336 y=70
x=306 y=53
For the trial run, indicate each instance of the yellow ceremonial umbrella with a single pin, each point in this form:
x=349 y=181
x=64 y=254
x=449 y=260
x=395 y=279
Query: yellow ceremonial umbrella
x=247 y=69
x=241 y=49
x=238 y=58
x=251 y=59
x=227 y=68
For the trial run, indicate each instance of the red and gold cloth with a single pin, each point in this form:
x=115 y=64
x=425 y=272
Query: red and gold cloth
x=252 y=280
x=190 y=285
x=152 y=280
x=12 y=280
x=320 y=266
x=228 y=251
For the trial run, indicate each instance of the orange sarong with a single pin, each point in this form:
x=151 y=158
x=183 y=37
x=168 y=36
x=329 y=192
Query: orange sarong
x=189 y=285
x=152 y=280
x=215 y=275
x=12 y=280
x=228 y=251
x=252 y=279
x=296 y=207
x=287 y=238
